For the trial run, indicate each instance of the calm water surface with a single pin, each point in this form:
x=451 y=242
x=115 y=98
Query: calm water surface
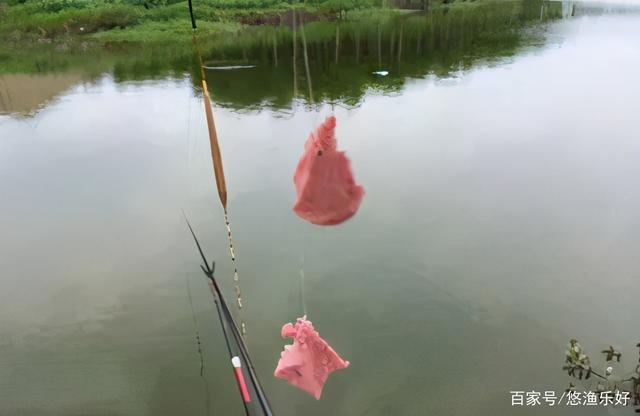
x=500 y=219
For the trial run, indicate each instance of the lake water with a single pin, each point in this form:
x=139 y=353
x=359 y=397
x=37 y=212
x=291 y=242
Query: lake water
x=499 y=156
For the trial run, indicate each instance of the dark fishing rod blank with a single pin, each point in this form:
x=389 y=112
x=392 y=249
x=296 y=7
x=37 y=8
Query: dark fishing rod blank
x=227 y=321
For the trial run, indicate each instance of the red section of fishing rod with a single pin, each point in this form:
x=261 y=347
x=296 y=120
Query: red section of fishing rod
x=262 y=399
x=237 y=368
x=235 y=360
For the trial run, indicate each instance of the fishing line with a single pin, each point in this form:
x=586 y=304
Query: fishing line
x=221 y=185
x=303 y=300
x=220 y=179
x=306 y=61
x=195 y=326
x=199 y=345
x=295 y=47
x=188 y=150
x=236 y=278
x=317 y=110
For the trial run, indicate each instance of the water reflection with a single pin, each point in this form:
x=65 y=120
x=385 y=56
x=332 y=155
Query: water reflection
x=336 y=61
x=312 y=61
x=461 y=277
x=24 y=93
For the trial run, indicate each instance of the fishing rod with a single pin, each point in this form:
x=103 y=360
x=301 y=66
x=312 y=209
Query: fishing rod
x=226 y=320
x=224 y=314
x=218 y=171
x=193 y=19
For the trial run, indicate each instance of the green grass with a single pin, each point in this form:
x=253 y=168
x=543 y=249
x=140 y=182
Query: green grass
x=27 y=21
x=31 y=21
x=174 y=30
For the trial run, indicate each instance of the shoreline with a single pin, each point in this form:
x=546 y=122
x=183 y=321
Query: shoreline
x=102 y=22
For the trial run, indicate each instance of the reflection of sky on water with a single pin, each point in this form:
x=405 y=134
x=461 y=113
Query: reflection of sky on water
x=500 y=220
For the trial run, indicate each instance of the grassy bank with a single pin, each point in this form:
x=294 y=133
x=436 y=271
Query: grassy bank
x=342 y=55
x=24 y=21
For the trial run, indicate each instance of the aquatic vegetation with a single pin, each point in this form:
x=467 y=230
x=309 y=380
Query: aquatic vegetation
x=612 y=378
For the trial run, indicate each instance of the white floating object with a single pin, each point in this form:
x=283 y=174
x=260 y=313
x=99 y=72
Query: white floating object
x=381 y=73
x=229 y=67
